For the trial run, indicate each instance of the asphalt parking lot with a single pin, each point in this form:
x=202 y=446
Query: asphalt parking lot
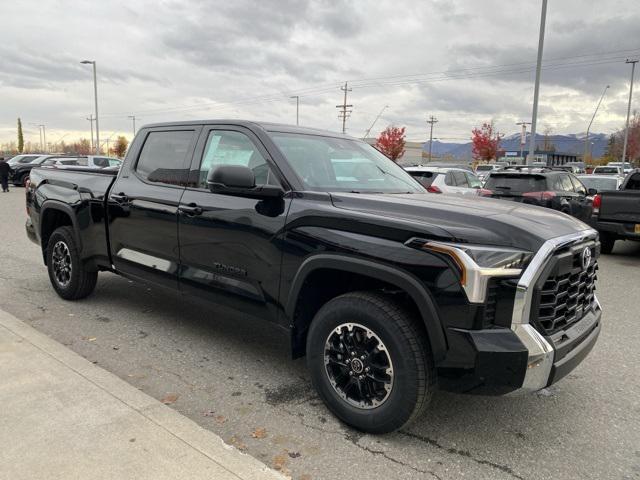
x=235 y=377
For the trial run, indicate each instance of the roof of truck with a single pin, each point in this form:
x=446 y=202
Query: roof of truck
x=268 y=126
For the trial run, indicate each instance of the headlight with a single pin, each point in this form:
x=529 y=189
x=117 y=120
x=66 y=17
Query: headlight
x=477 y=263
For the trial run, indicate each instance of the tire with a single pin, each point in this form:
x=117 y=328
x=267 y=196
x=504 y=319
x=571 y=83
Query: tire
x=75 y=282
x=376 y=319
x=24 y=179
x=606 y=243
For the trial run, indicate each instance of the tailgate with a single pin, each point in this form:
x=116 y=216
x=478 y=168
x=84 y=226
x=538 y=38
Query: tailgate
x=621 y=206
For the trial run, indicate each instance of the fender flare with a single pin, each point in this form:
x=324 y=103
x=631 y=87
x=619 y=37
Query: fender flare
x=62 y=207
x=397 y=277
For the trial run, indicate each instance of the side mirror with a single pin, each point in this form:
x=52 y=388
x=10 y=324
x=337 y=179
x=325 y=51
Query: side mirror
x=592 y=191
x=239 y=181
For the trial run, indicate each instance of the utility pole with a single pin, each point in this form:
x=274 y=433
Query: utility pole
x=626 y=130
x=133 y=118
x=586 y=139
x=44 y=137
x=432 y=120
x=344 y=113
x=91 y=119
x=523 y=137
x=95 y=95
x=39 y=133
x=297 y=97
x=536 y=90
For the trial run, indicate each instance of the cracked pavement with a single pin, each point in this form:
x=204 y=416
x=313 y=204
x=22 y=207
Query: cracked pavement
x=233 y=376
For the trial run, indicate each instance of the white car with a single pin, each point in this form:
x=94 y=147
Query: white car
x=601 y=183
x=92 y=161
x=482 y=171
x=608 y=170
x=628 y=168
x=457 y=181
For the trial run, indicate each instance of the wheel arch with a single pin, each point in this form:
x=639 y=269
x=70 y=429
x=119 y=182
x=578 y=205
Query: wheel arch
x=55 y=214
x=376 y=273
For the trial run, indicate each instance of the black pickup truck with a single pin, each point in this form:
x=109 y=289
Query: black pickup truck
x=616 y=213
x=388 y=290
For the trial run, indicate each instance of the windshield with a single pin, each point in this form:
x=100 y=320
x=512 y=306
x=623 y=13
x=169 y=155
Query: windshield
x=342 y=165
x=599 y=184
x=515 y=183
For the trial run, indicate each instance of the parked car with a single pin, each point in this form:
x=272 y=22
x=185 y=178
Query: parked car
x=601 y=183
x=579 y=167
x=483 y=170
x=446 y=180
x=608 y=170
x=92 y=161
x=387 y=290
x=21 y=171
x=554 y=189
x=626 y=166
x=23 y=158
x=616 y=213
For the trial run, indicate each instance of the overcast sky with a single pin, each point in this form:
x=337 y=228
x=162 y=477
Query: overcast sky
x=463 y=61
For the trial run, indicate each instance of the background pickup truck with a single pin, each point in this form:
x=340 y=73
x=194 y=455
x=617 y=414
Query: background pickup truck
x=388 y=291
x=616 y=214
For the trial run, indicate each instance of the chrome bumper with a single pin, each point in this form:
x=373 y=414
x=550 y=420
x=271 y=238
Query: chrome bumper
x=541 y=352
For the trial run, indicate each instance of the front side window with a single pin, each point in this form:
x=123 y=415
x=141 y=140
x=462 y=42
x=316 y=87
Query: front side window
x=343 y=165
x=567 y=186
x=101 y=162
x=228 y=147
x=163 y=157
x=460 y=179
x=474 y=182
x=114 y=163
x=578 y=186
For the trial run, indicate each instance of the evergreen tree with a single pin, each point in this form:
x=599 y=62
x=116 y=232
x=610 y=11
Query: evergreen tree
x=20 y=137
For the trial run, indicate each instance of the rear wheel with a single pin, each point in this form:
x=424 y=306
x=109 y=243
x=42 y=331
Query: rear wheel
x=607 y=242
x=68 y=276
x=370 y=361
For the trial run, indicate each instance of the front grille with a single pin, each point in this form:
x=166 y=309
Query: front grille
x=567 y=292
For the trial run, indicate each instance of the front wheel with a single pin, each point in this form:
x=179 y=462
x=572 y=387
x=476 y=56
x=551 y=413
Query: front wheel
x=69 y=277
x=370 y=361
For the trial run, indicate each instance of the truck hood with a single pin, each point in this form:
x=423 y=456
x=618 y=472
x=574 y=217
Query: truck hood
x=466 y=219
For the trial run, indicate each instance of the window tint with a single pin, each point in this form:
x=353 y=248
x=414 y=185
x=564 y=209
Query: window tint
x=634 y=182
x=474 y=182
x=579 y=187
x=101 y=162
x=227 y=147
x=567 y=186
x=425 y=178
x=460 y=179
x=163 y=157
x=515 y=183
x=448 y=179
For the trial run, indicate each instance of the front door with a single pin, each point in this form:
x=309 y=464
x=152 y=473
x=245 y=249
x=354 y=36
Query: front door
x=143 y=205
x=228 y=244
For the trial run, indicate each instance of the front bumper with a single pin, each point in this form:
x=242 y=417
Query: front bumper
x=520 y=358
x=31 y=232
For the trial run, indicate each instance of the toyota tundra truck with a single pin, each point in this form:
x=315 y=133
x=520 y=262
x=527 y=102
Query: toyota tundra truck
x=389 y=291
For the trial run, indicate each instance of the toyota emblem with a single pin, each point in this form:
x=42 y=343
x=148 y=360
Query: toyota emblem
x=586 y=258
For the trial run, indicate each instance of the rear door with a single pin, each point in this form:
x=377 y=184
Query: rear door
x=143 y=205
x=229 y=244
x=583 y=204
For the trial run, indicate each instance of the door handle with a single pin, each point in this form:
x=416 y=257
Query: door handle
x=120 y=198
x=191 y=210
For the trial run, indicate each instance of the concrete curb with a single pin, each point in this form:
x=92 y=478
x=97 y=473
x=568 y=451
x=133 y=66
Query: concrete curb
x=192 y=437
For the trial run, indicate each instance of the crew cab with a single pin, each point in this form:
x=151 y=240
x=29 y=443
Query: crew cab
x=390 y=292
x=555 y=189
x=616 y=213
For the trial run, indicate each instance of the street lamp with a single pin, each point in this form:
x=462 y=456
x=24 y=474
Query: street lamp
x=586 y=139
x=297 y=97
x=536 y=89
x=95 y=92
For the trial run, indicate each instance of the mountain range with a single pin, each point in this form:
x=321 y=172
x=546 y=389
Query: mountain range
x=571 y=143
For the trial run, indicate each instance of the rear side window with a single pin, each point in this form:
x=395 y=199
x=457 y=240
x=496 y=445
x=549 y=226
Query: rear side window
x=516 y=183
x=163 y=157
x=101 y=162
x=567 y=186
x=425 y=178
x=460 y=179
x=633 y=183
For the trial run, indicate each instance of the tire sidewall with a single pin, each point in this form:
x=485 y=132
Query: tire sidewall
x=399 y=406
x=65 y=235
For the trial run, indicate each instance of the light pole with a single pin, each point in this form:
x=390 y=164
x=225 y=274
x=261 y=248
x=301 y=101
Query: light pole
x=95 y=93
x=536 y=90
x=366 y=134
x=41 y=134
x=133 y=118
x=586 y=140
x=297 y=97
x=91 y=119
x=523 y=138
x=626 y=130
